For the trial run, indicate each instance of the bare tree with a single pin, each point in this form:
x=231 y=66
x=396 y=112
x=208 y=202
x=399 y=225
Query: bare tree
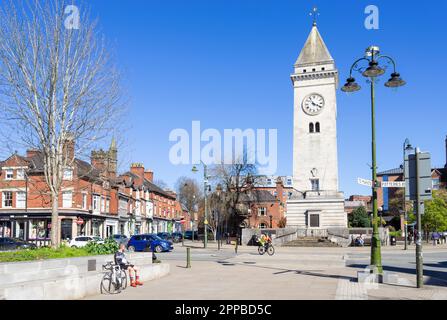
x=189 y=193
x=59 y=88
x=237 y=181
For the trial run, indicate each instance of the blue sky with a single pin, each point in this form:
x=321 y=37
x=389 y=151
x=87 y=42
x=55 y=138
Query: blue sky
x=227 y=63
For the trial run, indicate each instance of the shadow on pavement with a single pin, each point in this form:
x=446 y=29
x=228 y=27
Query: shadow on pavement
x=300 y=272
x=434 y=278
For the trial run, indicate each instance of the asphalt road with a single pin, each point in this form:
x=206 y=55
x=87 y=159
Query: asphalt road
x=435 y=263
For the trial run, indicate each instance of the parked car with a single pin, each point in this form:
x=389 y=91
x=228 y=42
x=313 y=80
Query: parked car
x=10 y=244
x=165 y=235
x=152 y=242
x=188 y=235
x=120 y=238
x=177 y=237
x=82 y=241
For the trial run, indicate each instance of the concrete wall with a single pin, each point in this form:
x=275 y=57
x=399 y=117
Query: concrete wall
x=72 y=278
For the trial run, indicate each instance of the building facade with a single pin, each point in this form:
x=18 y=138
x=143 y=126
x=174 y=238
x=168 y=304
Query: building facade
x=94 y=200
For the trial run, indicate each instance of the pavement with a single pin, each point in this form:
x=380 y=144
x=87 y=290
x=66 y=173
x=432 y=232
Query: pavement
x=291 y=274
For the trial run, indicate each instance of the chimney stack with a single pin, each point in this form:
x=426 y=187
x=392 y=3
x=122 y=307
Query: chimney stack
x=30 y=153
x=149 y=175
x=138 y=169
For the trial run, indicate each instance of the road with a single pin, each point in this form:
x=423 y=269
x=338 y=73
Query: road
x=292 y=273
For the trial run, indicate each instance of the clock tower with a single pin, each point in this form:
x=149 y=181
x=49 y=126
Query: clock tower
x=316 y=207
x=315 y=83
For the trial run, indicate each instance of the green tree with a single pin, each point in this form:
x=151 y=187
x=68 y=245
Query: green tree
x=435 y=216
x=359 y=218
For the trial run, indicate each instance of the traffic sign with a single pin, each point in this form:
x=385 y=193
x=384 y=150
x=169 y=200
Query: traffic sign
x=365 y=182
x=393 y=184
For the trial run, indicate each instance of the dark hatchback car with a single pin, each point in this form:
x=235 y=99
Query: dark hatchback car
x=11 y=244
x=189 y=234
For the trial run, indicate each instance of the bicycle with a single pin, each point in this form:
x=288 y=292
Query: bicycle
x=268 y=247
x=114 y=279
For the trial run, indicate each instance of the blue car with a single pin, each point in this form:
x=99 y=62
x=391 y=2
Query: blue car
x=142 y=242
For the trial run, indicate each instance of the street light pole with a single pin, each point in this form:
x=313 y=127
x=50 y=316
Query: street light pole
x=372 y=72
x=407 y=147
x=376 y=255
x=205 y=187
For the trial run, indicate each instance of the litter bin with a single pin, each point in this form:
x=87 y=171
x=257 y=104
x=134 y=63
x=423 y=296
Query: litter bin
x=393 y=240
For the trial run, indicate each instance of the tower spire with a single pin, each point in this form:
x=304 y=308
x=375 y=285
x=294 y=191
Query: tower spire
x=315 y=14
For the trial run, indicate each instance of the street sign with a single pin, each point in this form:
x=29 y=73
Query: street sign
x=365 y=182
x=424 y=173
x=393 y=184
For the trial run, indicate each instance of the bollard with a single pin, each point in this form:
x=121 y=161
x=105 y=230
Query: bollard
x=235 y=246
x=188 y=258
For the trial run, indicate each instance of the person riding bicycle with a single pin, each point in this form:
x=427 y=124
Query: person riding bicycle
x=121 y=260
x=264 y=240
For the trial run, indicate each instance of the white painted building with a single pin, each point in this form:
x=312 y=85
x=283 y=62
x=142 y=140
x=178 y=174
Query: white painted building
x=316 y=202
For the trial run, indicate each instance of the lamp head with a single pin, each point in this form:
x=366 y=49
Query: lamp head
x=373 y=70
x=395 y=81
x=350 y=86
x=194 y=169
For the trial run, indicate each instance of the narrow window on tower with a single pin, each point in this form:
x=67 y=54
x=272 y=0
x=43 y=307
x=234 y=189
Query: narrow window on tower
x=311 y=127
x=315 y=184
x=317 y=127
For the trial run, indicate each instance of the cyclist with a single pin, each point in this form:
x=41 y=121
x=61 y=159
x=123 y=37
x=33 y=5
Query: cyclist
x=120 y=259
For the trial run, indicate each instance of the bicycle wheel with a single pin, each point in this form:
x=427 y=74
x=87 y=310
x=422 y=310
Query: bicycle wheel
x=107 y=285
x=123 y=276
x=261 y=250
x=271 y=250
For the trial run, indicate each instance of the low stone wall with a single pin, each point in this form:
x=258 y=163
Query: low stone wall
x=63 y=279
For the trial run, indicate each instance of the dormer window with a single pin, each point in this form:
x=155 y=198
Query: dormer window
x=9 y=174
x=304 y=71
x=20 y=174
x=322 y=69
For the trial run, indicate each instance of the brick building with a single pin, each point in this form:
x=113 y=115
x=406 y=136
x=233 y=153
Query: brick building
x=94 y=200
x=268 y=202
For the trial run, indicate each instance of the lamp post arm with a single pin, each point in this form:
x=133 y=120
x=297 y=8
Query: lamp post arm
x=355 y=64
x=389 y=59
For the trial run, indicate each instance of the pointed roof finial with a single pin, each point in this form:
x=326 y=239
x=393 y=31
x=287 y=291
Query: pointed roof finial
x=113 y=144
x=315 y=14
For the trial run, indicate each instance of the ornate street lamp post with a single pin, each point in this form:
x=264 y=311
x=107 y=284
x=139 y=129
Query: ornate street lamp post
x=373 y=72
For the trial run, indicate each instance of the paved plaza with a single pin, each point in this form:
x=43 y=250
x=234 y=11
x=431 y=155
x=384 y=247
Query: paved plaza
x=292 y=273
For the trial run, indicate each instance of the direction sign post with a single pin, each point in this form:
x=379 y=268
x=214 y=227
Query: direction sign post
x=418 y=189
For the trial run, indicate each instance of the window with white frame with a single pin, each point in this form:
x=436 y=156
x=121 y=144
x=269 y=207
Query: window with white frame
x=436 y=184
x=137 y=207
x=103 y=204
x=9 y=174
x=68 y=174
x=84 y=201
x=20 y=199
x=96 y=203
x=7 y=199
x=21 y=174
x=262 y=211
x=67 y=199
x=107 y=205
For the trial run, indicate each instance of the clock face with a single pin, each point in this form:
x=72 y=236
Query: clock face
x=313 y=104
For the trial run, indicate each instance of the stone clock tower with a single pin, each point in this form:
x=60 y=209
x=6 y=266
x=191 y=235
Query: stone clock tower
x=317 y=202
x=315 y=83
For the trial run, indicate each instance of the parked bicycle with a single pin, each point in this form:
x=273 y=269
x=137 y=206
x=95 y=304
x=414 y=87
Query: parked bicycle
x=114 y=279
